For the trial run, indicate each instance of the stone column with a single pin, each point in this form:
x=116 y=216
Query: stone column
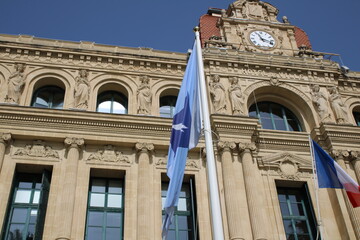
x=355 y=157
x=145 y=205
x=5 y=138
x=251 y=176
x=67 y=204
x=231 y=202
x=353 y=212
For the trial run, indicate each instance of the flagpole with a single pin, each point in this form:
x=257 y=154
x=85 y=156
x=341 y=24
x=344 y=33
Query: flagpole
x=217 y=225
x=319 y=221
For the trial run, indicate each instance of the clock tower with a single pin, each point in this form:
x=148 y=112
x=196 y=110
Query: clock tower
x=252 y=26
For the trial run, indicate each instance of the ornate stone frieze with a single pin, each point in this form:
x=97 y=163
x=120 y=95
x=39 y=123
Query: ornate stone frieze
x=191 y=164
x=108 y=154
x=287 y=165
x=37 y=150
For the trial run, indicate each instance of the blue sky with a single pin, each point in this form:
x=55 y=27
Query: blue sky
x=332 y=25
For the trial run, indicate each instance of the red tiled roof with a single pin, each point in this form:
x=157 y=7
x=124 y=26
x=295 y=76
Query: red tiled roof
x=208 y=28
x=302 y=38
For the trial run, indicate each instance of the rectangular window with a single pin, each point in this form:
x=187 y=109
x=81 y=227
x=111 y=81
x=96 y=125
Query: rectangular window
x=105 y=209
x=297 y=213
x=183 y=226
x=26 y=215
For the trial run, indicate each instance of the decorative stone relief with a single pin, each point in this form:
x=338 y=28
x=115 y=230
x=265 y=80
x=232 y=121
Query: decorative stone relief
x=16 y=84
x=191 y=164
x=37 y=149
x=247 y=147
x=144 y=96
x=236 y=97
x=144 y=146
x=274 y=81
x=320 y=103
x=82 y=90
x=108 y=154
x=338 y=106
x=74 y=142
x=287 y=165
x=217 y=92
x=5 y=137
x=226 y=146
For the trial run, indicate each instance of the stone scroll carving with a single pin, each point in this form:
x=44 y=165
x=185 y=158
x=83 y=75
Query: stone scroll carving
x=37 y=149
x=144 y=96
x=320 y=102
x=108 y=154
x=16 y=84
x=338 y=106
x=236 y=97
x=82 y=90
x=190 y=163
x=217 y=92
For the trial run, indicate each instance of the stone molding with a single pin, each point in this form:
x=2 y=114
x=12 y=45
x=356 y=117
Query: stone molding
x=108 y=154
x=38 y=149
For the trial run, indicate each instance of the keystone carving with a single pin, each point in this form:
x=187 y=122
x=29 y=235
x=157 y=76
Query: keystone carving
x=37 y=149
x=108 y=154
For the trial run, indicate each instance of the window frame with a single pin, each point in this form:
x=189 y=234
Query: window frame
x=167 y=101
x=285 y=114
x=191 y=213
x=105 y=210
x=113 y=94
x=52 y=89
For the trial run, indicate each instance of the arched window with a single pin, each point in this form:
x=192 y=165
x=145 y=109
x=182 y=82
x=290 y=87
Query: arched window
x=275 y=116
x=48 y=97
x=112 y=102
x=357 y=117
x=167 y=106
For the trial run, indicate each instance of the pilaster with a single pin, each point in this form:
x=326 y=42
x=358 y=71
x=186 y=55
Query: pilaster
x=5 y=138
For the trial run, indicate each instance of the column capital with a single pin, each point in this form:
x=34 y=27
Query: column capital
x=5 y=137
x=144 y=147
x=74 y=142
x=226 y=146
x=247 y=147
x=344 y=154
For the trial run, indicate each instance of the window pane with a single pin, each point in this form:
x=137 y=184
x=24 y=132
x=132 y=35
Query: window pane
x=288 y=226
x=19 y=215
x=24 y=184
x=114 y=201
x=113 y=219
x=267 y=123
x=97 y=200
x=95 y=218
x=33 y=216
x=118 y=108
x=284 y=209
x=94 y=233
x=182 y=206
x=280 y=125
x=16 y=231
x=171 y=236
x=98 y=185
x=36 y=197
x=297 y=209
x=115 y=187
x=23 y=196
x=303 y=237
x=104 y=107
x=184 y=235
x=113 y=234
x=290 y=237
x=301 y=227
x=182 y=222
x=31 y=232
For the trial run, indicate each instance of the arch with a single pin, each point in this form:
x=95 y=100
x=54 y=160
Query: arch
x=354 y=107
x=48 y=96
x=162 y=89
x=122 y=84
x=296 y=101
x=48 y=77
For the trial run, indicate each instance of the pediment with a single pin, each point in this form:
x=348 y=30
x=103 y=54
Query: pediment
x=253 y=9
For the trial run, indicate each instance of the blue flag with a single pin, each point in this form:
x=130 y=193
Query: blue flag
x=184 y=135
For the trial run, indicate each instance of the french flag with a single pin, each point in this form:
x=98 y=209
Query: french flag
x=331 y=175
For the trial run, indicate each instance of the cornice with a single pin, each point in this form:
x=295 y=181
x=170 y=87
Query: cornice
x=340 y=136
x=269 y=138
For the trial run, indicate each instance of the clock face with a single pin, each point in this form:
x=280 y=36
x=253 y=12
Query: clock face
x=262 y=39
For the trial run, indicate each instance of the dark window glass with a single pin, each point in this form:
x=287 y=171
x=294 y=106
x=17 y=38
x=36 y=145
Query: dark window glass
x=27 y=209
x=297 y=213
x=184 y=221
x=167 y=106
x=357 y=118
x=112 y=102
x=48 y=97
x=274 y=116
x=105 y=209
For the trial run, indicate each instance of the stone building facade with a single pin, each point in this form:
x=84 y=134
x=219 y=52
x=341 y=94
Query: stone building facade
x=85 y=131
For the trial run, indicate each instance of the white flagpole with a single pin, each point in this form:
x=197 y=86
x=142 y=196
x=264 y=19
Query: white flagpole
x=319 y=221
x=217 y=225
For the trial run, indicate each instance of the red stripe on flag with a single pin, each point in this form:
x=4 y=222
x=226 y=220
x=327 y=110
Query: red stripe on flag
x=354 y=198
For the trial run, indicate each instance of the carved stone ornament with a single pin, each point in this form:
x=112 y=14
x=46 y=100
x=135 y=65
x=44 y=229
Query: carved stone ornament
x=254 y=9
x=82 y=90
x=236 y=97
x=38 y=149
x=74 y=142
x=247 y=147
x=191 y=164
x=218 y=97
x=274 y=81
x=144 y=96
x=144 y=147
x=320 y=103
x=287 y=165
x=226 y=146
x=16 y=84
x=108 y=154
x=5 y=137
x=338 y=106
